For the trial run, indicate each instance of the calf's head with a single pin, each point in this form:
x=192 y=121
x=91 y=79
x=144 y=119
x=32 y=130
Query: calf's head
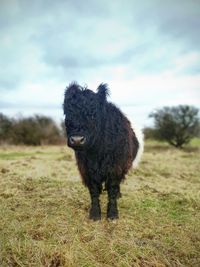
x=84 y=115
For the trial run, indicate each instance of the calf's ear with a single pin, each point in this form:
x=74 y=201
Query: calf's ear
x=103 y=91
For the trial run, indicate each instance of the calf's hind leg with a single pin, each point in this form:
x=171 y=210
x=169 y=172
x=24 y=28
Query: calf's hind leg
x=113 y=193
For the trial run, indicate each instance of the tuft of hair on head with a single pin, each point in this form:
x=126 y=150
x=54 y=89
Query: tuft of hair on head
x=72 y=88
x=103 y=91
x=70 y=93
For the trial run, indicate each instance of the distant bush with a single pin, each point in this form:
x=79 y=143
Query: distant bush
x=5 y=128
x=35 y=130
x=150 y=133
x=176 y=125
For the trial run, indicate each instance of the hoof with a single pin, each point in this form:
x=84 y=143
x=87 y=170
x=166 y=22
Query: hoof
x=112 y=212
x=94 y=217
x=112 y=216
x=95 y=213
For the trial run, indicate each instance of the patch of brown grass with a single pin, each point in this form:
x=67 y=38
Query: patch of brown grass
x=44 y=211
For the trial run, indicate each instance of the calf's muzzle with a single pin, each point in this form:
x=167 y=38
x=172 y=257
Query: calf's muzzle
x=77 y=140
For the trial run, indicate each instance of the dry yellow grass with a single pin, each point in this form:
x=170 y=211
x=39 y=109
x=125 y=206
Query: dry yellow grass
x=44 y=211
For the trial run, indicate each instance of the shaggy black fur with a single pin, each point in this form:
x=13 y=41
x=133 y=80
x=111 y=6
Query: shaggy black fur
x=108 y=144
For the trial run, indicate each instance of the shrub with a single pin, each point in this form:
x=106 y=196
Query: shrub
x=176 y=125
x=35 y=130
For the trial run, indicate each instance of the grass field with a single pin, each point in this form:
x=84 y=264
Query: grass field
x=44 y=211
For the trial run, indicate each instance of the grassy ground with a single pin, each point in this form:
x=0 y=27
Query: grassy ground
x=44 y=211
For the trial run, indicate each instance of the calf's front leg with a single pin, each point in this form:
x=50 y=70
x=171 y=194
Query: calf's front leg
x=95 y=210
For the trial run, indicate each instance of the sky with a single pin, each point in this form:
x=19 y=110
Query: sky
x=148 y=52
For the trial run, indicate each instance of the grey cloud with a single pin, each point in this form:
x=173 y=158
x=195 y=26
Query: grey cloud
x=64 y=39
x=187 y=30
x=7 y=83
x=143 y=58
x=81 y=62
x=178 y=20
x=13 y=11
x=59 y=49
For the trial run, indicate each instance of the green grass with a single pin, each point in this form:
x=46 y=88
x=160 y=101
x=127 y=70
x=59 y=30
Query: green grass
x=44 y=211
x=195 y=142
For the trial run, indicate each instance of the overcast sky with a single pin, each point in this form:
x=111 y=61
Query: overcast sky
x=147 y=51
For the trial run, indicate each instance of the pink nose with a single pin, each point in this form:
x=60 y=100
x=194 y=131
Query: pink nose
x=77 y=140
